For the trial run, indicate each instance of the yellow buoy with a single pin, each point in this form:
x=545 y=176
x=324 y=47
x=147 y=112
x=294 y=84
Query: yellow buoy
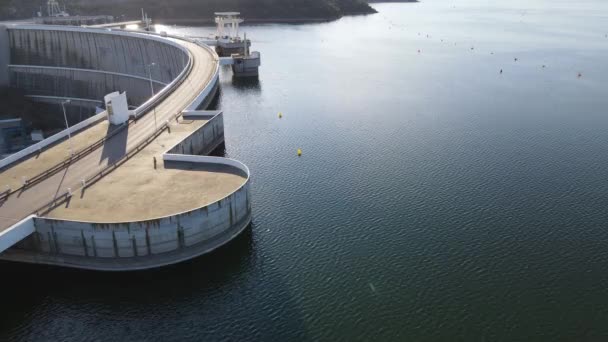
x=280 y=115
x=299 y=152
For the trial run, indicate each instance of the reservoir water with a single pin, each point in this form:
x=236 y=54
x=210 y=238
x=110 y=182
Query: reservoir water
x=436 y=199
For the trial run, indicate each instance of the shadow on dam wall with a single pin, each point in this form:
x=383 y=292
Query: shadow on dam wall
x=194 y=298
x=89 y=64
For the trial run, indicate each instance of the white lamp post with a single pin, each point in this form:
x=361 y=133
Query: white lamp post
x=67 y=126
x=152 y=91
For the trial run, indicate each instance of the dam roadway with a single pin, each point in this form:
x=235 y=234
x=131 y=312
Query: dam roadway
x=23 y=203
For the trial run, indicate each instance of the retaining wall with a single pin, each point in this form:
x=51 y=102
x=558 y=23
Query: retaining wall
x=204 y=140
x=131 y=243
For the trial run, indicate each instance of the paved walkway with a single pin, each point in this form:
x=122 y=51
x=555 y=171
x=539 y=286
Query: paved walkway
x=38 y=163
x=137 y=192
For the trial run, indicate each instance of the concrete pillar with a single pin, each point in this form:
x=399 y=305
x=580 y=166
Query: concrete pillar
x=4 y=56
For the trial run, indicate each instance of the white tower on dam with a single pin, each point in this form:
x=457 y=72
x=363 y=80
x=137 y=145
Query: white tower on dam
x=230 y=19
x=117 y=107
x=53 y=9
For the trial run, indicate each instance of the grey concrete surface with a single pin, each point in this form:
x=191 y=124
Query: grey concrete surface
x=122 y=56
x=4 y=56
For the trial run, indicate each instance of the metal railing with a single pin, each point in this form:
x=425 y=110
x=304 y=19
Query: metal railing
x=57 y=201
x=144 y=108
x=63 y=164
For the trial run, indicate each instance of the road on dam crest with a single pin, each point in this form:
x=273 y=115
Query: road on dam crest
x=23 y=203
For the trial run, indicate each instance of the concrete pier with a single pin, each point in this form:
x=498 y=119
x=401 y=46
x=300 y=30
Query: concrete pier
x=246 y=65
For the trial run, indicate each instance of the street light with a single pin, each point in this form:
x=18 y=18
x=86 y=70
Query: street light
x=67 y=126
x=152 y=91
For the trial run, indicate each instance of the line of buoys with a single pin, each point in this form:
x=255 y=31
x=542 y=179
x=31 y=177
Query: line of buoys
x=472 y=48
x=299 y=152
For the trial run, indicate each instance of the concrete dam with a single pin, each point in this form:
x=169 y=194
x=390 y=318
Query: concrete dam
x=85 y=66
x=134 y=195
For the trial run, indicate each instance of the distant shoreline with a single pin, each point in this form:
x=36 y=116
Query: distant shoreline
x=208 y=22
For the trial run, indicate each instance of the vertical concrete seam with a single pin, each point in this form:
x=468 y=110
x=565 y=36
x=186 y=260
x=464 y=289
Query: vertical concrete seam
x=84 y=243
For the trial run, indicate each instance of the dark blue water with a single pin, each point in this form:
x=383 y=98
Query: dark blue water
x=436 y=198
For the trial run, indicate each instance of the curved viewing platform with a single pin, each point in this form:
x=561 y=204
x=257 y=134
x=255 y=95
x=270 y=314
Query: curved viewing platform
x=120 y=197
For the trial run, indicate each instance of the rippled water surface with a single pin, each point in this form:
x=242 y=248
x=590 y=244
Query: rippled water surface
x=436 y=198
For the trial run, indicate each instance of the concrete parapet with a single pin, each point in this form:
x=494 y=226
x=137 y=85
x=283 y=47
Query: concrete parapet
x=17 y=232
x=200 y=114
x=204 y=140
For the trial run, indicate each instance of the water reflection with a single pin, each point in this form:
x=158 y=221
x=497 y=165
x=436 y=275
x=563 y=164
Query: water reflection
x=251 y=85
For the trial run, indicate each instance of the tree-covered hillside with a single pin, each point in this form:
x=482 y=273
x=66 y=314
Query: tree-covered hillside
x=194 y=9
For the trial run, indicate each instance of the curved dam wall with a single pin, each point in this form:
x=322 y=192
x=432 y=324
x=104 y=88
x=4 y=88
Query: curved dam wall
x=90 y=63
x=140 y=245
x=126 y=246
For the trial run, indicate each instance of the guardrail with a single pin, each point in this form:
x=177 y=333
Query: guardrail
x=43 y=145
x=63 y=164
x=82 y=153
x=57 y=201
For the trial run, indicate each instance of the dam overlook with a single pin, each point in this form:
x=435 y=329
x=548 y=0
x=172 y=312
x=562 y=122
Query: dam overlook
x=69 y=200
